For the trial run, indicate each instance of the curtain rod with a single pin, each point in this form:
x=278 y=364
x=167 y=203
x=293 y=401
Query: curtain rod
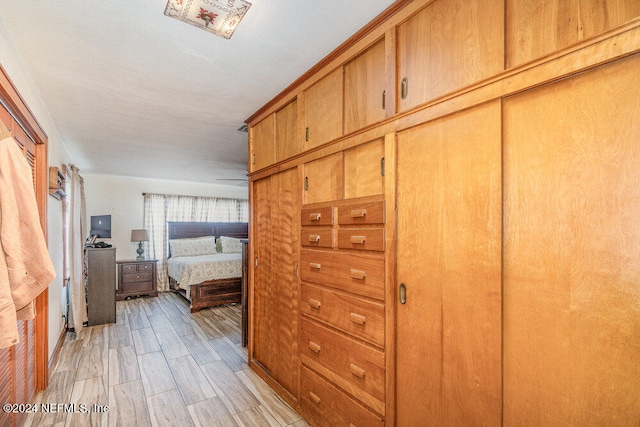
x=186 y=195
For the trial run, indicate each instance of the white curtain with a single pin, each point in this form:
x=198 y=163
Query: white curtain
x=162 y=208
x=77 y=237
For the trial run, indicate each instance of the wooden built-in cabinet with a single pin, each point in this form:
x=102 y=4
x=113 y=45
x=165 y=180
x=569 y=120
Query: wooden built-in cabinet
x=262 y=144
x=467 y=253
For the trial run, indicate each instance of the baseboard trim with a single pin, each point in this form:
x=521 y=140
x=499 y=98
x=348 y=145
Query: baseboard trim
x=58 y=348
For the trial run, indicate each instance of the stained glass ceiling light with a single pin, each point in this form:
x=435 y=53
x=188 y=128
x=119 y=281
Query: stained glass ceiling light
x=220 y=17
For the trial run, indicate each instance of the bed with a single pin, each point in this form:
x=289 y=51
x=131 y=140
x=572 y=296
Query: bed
x=200 y=274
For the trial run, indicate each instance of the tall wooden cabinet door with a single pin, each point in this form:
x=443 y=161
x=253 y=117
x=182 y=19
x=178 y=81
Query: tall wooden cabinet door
x=323 y=110
x=323 y=179
x=446 y=46
x=285 y=221
x=542 y=27
x=448 y=356
x=262 y=148
x=276 y=210
x=571 y=250
x=363 y=170
x=288 y=141
x=364 y=87
x=263 y=330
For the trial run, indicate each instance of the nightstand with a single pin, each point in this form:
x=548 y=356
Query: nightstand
x=135 y=278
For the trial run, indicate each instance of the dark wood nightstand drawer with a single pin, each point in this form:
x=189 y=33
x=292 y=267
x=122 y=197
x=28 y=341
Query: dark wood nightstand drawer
x=136 y=278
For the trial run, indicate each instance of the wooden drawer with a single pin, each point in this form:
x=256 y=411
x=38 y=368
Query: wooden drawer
x=317 y=237
x=361 y=213
x=130 y=268
x=329 y=406
x=137 y=277
x=362 y=318
x=367 y=239
x=317 y=216
x=360 y=274
x=359 y=365
x=136 y=287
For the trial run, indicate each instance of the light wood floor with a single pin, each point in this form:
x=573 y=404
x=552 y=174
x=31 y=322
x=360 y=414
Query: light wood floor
x=160 y=365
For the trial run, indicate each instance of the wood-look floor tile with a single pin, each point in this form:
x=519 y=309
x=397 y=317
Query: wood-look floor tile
x=228 y=352
x=123 y=365
x=98 y=334
x=301 y=423
x=271 y=402
x=235 y=396
x=89 y=393
x=93 y=361
x=200 y=349
x=152 y=306
x=172 y=345
x=208 y=327
x=69 y=356
x=128 y=405
x=139 y=320
x=192 y=383
x=156 y=375
x=168 y=409
x=119 y=336
x=145 y=341
x=255 y=417
x=210 y=413
x=184 y=327
x=159 y=323
x=59 y=391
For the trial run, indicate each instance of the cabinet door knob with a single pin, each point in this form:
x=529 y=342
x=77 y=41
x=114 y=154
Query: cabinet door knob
x=358 y=239
x=358 y=274
x=357 y=370
x=314 y=398
x=357 y=318
x=314 y=347
x=314 y=303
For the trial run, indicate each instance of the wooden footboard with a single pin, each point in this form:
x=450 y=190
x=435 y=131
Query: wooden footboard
x=211 y=293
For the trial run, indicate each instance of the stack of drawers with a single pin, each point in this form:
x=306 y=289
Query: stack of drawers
x=342 y=309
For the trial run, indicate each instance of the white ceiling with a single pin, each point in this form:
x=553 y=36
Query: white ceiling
x=136 y=93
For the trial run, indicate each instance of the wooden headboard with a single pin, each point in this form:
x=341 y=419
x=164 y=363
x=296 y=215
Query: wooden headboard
x=187 y=230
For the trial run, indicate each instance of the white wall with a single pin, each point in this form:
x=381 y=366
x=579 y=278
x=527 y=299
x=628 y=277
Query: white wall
x=121 y=197
x=15 y=69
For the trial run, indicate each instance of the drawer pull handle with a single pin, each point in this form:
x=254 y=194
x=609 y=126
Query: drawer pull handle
x=315 y=265
x=314 y=217
x=358 y=318
x=358 y=274
x=314 y=303
x=357 y=371
x=358 y=239
x=314 y=237
x=314 y=398
x=358 y=213
x=314 y=347
x=137 y=277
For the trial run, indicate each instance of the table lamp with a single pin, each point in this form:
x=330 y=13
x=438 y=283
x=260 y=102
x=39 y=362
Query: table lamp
x=140 y=236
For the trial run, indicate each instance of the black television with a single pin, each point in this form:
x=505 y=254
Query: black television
x=101 y=226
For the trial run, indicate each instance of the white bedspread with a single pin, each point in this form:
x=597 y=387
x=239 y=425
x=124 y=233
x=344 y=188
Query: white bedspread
x=192 y=270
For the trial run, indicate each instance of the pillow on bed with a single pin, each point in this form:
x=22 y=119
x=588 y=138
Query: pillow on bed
x=193 y=247
x=230 y=245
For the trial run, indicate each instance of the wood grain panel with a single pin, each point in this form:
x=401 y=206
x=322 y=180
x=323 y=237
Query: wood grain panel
x=448 y=45
x=535 y=29
x=362 y=170
x=317 y=216
x=288 y=138
x=362 y=213
x=323 y=110
x=362 y=239
x=262 y=148
x=285 y=217
x=449 y=233
x=316 y=237
x=572 y=241
x=324 y=179
x=364 y=84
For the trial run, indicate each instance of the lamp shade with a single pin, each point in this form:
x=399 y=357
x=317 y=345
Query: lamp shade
x=139 y=235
